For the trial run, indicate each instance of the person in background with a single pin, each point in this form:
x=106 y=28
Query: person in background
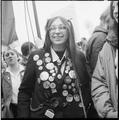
x=83 y=45
x=3 y=64
x=26 y=49
x=11 y=79
x=56 y=83
x=97 y=40
x=3 y=69
x=79 y=45
x=105 y=79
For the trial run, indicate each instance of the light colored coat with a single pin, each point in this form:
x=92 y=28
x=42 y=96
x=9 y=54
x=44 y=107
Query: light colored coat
x=104 y=84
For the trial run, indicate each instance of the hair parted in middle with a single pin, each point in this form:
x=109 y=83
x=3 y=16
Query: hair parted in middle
x=71 y=38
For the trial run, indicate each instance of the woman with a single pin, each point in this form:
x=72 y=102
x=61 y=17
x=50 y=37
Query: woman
x=11 y=79
x=105 y=78
x=51 y=87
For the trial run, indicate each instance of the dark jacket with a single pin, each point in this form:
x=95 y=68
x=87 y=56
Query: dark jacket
x=94 y=46
x=31 y=94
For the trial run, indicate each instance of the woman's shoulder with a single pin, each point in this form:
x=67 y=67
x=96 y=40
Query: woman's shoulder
x=38 y=51
x=106 y=50
x=6 y=76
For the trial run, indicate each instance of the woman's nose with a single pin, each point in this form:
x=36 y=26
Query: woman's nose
x=10 y=55
x=57 y=30
x=116 y=10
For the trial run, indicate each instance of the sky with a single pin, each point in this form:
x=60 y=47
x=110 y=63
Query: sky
x=85 y=17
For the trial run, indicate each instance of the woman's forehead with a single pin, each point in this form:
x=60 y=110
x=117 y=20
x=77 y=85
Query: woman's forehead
x=115 y=3
x=11 y=51
x=57 y=21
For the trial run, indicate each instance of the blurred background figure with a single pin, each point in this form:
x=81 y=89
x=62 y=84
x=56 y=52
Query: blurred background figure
x=11 y=79
x=82 y=45
x=97 y=40
x=3 y=64
x=26 y=49
x=104 y=79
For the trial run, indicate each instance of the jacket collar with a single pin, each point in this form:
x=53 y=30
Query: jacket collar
x=21 y=68
x=55 y=57
x=100 y=29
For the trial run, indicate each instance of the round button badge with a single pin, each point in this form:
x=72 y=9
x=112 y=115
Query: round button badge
x=69 y=98
x=46 y=84
x=44 y=76
x=50 y=66
x=64 y=92
x=35 y=57
x=51 y=78
x=64 y=86
x=39 y=62
x=68 y=80
x=52 y=85
x=76 y=98
x=72 y=74
x=47 y=54
x=59 y=76
x=48 y=59
x=40 y=67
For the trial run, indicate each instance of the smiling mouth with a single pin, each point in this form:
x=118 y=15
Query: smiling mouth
x=10 y=59
x=58 y=37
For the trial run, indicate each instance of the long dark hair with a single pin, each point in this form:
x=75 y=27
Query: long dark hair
x=71 y=39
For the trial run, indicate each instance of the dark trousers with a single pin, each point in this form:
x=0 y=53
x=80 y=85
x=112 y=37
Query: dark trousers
x=13 y=108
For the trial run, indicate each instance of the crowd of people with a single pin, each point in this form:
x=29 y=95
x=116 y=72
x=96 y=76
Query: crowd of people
x=64 y=79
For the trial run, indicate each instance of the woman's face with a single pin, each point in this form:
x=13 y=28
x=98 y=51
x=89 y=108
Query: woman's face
x=11 y=57
x=58 y=33
x=115 y=10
